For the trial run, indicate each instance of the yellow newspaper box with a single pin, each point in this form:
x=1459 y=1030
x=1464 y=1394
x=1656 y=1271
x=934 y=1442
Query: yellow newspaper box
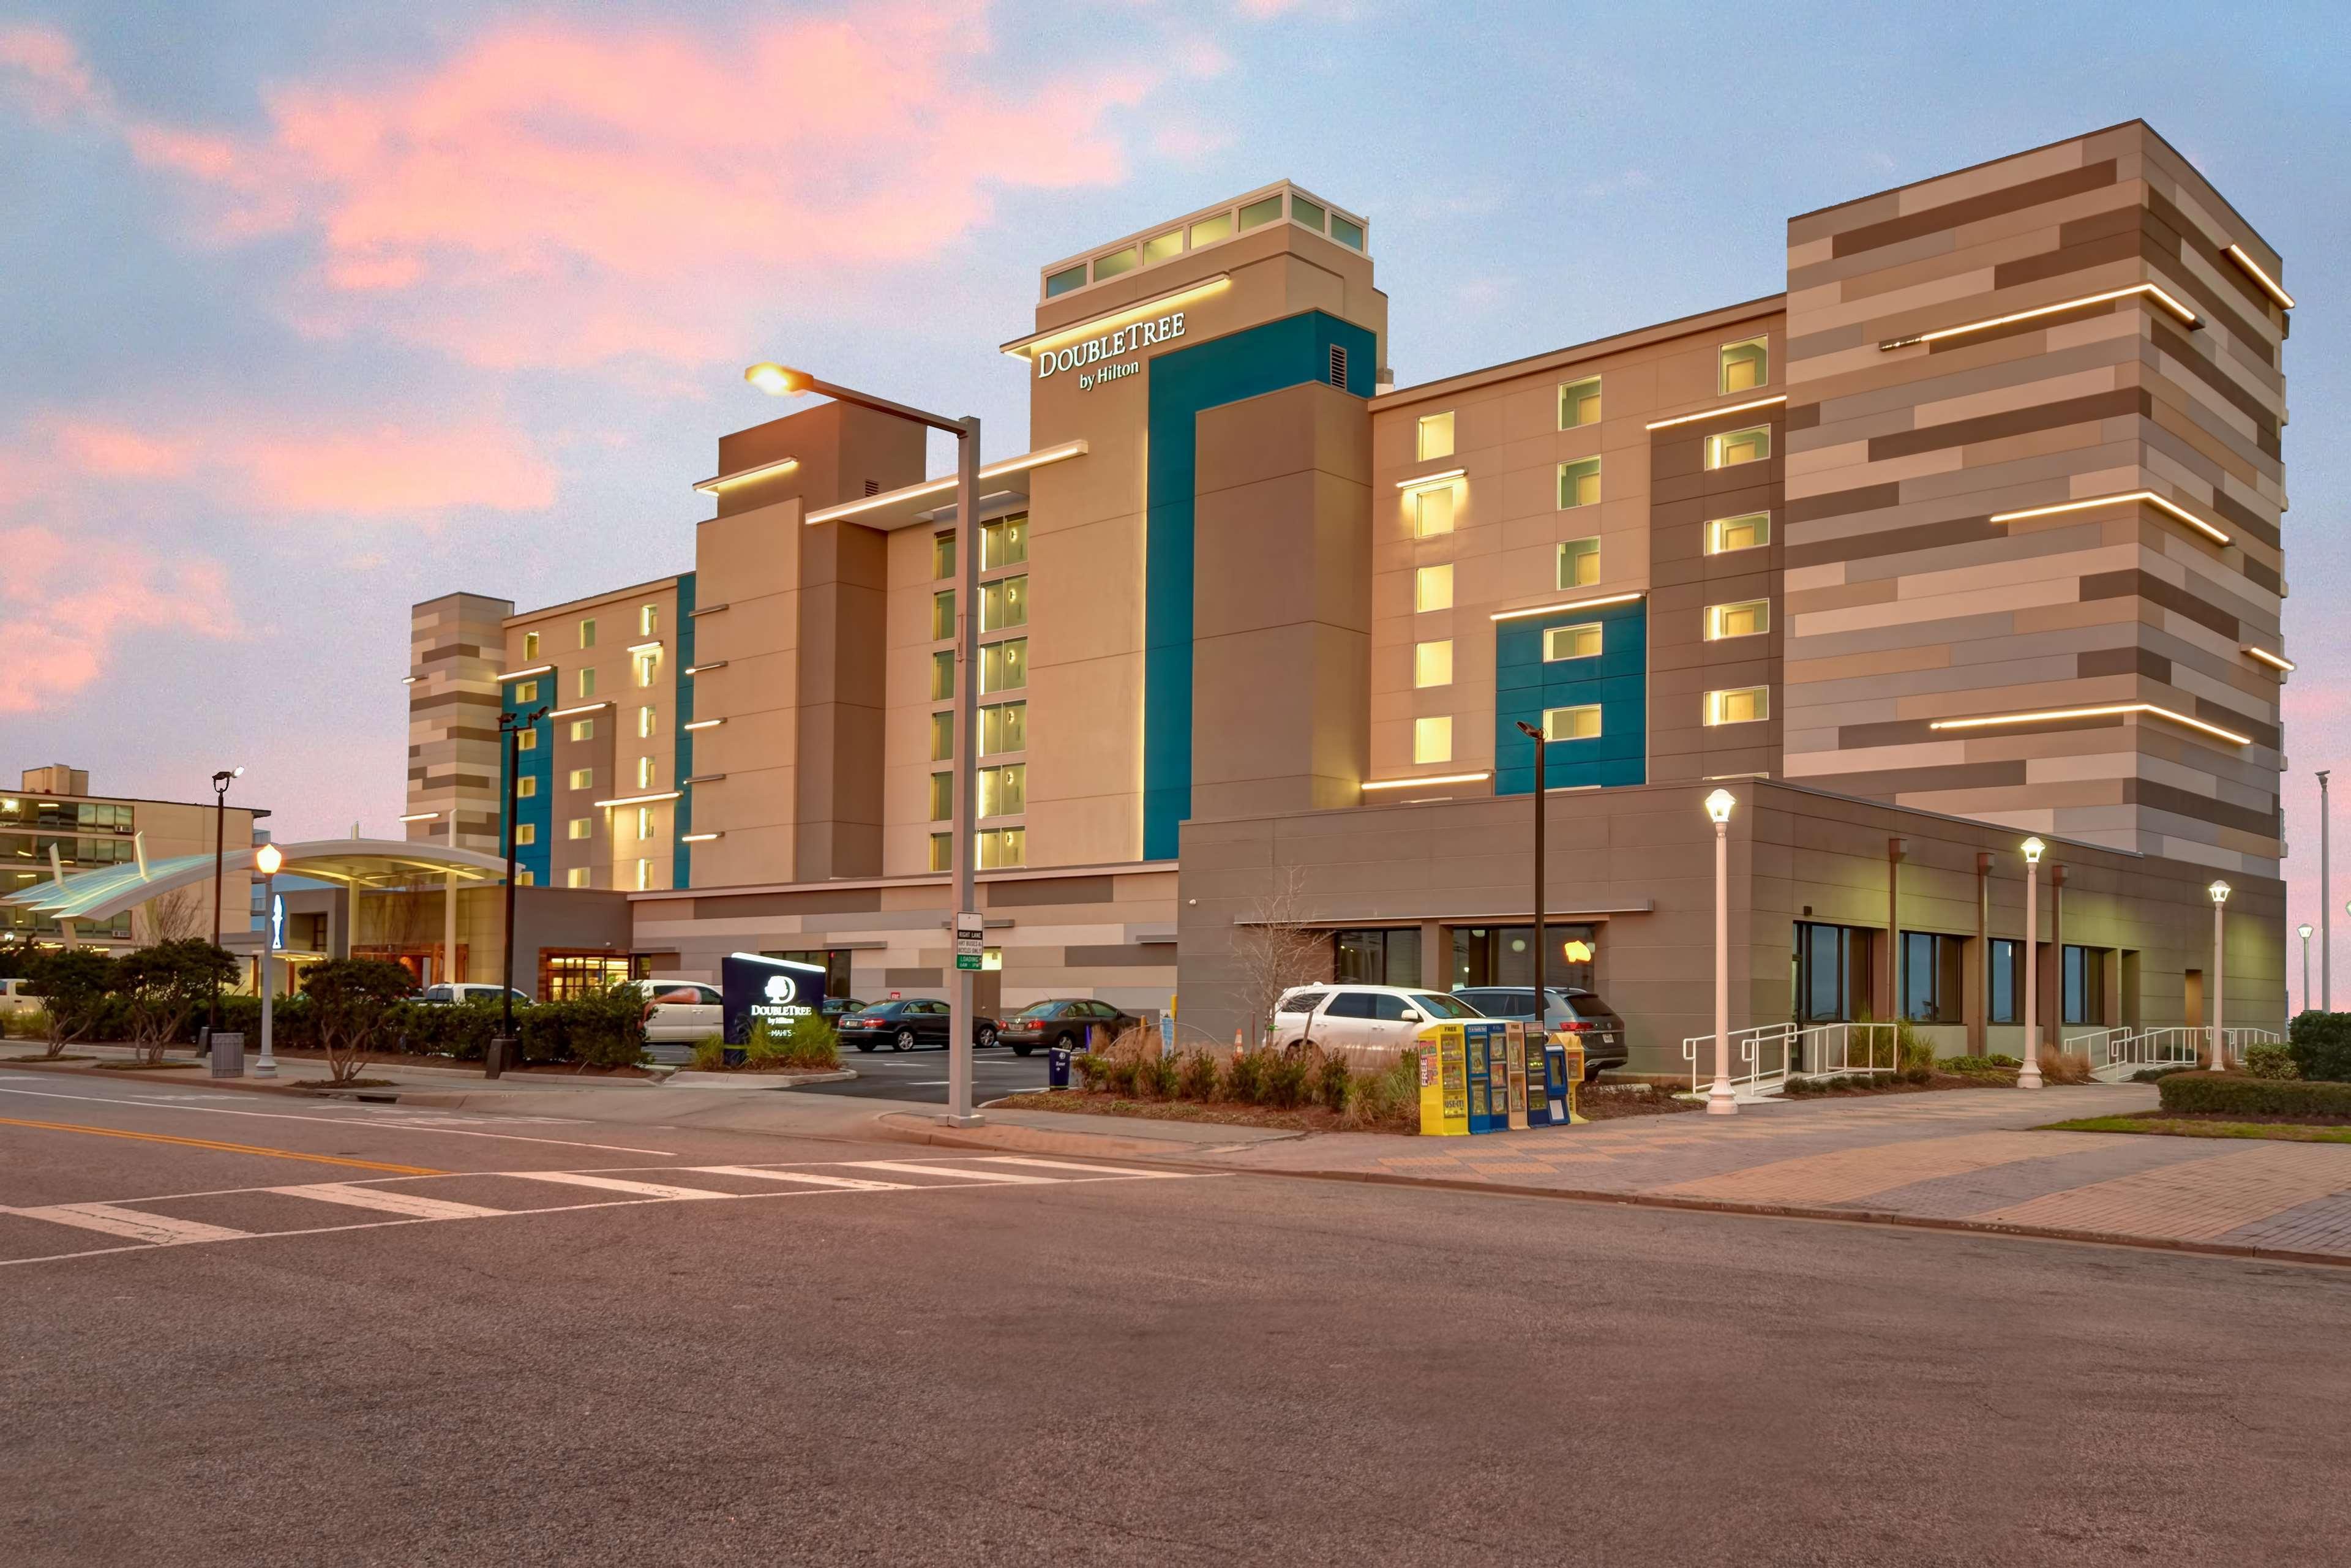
x=1444 y=1081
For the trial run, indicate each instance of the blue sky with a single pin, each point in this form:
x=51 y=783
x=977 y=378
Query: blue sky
x=321 y=309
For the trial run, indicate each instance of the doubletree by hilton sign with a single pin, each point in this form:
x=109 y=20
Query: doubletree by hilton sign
x=1087 y=360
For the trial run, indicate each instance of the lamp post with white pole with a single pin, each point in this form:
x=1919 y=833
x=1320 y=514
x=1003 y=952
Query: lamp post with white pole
x=267 y=860
x=2305 y=929
x=2219 y=891
x=966 y=926
x=1719 y=1100
x=221 y=782
x=2028 y=1076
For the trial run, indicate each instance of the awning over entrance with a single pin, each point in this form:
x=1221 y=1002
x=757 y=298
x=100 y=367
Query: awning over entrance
x=100 y=895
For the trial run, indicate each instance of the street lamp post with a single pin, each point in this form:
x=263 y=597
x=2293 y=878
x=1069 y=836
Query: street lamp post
x=2325 y=911
x=221 y=782
x=1543 y=951
x=966 y=925
x=2219 y=891
x=510 y=727
x=2305 y=929
x=267 y=860
x=1719 y=1100
x=2028 y=1076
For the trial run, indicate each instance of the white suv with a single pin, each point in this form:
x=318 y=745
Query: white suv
x=1380 y=1020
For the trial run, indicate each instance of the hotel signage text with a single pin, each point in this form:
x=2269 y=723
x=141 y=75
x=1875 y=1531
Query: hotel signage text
x=1081 y=358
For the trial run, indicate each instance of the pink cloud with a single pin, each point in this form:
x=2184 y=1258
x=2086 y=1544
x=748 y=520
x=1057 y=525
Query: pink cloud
x=71 y=600
x=46 y=72
x=395 y=472
x=115 y=450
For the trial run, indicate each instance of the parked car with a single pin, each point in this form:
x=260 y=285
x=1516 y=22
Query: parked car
x=679 y=1014
x=904 y=1025
x=834 y=1009
x=470 y=991
x=1360 y=1018
x=1567 y=1009
x=15 y=998
x=1065 y=1021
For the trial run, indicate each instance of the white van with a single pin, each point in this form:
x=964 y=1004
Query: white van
x=1362 y=1020
x=17 y=996
x=679 y=1014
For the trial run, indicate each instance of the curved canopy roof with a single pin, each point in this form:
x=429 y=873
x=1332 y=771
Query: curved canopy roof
x=105 y=893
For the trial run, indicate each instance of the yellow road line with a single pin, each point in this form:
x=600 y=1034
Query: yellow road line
x=223 y=1148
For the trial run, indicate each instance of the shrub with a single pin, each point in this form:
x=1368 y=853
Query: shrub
x=602 y=1028
x=351 y=1001
x=2065 y=1066
x=1160 y=1076
x=1914 y=1057
x=1286 y=1079
x=809 y=1042
x=1094 y=1071
x=74 y=985
x=1334 y=1084
x=1981 y=1066
x=709 y=1054
x=2155 y=1074
x=1196 y=1077
x=2271 y=1061
x=2321 y=1044
x=2229 y=1094
x=165 y=984
x=1245 y=1075
x=33 y=1023
x=1387 y=1098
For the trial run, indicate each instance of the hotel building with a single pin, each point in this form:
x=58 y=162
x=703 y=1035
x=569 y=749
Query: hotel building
x=1972 y=531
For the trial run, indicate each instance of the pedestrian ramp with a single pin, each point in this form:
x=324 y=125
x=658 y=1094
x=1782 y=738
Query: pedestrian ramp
x=1764 y=1058
x=2117 y=1055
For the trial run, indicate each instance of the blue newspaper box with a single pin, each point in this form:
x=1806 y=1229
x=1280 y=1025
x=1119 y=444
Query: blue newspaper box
x=1057 y=1067
x=1558 y=1106
x=1490 y=1085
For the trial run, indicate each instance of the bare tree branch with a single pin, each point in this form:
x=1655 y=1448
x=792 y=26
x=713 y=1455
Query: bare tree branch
x=1274 y=949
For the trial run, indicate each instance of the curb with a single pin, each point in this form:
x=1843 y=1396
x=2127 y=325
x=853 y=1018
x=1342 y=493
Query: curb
x=686 y=1078
x=902 y=1126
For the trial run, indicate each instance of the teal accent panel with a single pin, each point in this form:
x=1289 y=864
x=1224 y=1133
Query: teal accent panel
x=538 y=810
x=1245 y=364
x=682 y=810
x=1618 y=680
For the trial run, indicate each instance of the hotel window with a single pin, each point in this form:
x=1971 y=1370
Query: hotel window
x=942 y=797
x=587 y=684
x=1579 y=564
x=1004 y=666
x=1579 y=722
x=942 y=615
x=1752 y=531
x=644 y=821
x=645 y=772
x=1062 y=282
x=1002 y=847
x=583 y=779
x=1003 y=727
x=646 y=661
x=530 y=646
x=1579 y=482
x=1159 y=248
x=941 y=736
x=1432 y=663
x=1347 y=232
x=525 y=788
x=1302 y=210
x=525 y=877
x=2005 y=990
x=526 y=692
x=943 y=674
x=578 y=876
x=647 y=724
x=1740 y=704
x=1432 y=588
x=1114 y=264
x=648 y=620
x=1376 y=957
x=526 y=740
x=1744 y=366
x=942 y=556
x=1736 y=446
x=526 y=832
x=644 y=874
x=942 y=851
x=1749 y=618
x=587 y=633
x=1432 y=511
x=1934 y=978
x=1004 y=542
x=583 y=729
x=1004 y=791
x=1264 y=212
x=1004 y=603
x=1571 y=642
x=582 y=827
x=2086 y=985
x=1434 y=436
x=1579 y=403
x=1209 y=231
x=1432 y=740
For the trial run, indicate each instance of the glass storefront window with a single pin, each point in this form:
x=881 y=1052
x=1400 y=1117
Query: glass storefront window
x=1831 y=973
x=2086 y=985
x=2005 y=993
x=1934 y=978
x=1504 y=955
x=1378 y=957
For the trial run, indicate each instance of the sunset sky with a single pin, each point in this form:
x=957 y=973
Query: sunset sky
x=319 y=309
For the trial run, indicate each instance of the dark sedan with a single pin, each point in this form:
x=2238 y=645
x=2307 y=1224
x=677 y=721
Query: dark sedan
x=1063 y=1022
x=1579 y=1014
x=904 y=1025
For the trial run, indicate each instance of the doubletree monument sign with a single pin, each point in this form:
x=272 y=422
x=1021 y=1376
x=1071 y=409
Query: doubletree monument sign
x=776 y=989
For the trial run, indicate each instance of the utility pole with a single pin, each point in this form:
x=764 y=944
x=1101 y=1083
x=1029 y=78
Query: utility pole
x=2325 y=911
x=221 y=782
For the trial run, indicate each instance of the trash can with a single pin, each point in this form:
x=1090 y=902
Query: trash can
x=229 y=1054
x=1057 y=1067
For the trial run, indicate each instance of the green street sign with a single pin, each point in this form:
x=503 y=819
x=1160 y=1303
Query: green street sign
x=966 y=960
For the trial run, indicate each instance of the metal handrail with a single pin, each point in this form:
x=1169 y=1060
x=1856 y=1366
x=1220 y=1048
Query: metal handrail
x=1833 y=1042
x=1753 y=1049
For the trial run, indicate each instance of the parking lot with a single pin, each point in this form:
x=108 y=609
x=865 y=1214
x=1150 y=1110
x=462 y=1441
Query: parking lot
x=921 y=1075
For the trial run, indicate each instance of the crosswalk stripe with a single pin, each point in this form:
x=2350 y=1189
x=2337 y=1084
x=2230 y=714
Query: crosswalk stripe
x=850 y=1182
x=613 y=1184
x=390 y=1200
x=963 y=1173
x=1090 y=1170
x=157 y=1230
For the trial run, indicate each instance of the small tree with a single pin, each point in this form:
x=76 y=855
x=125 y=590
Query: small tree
x=73 y=985
x=1274 y=948
x=166 y=984
x=351 y=1000
x=183 y=912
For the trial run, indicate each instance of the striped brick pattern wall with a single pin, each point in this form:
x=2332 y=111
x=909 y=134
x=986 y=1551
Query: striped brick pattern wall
x=1907 y=602
x=456 y=647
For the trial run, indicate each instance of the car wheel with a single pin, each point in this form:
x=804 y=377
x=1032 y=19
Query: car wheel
x=986 y=1039
x=904 y=1040
x=1067 y=1041
x=1022 y=1050
x=866 y=1046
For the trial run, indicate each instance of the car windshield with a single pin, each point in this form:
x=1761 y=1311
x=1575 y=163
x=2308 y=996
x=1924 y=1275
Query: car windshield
x=1438 y=1006
x=1587 y=1005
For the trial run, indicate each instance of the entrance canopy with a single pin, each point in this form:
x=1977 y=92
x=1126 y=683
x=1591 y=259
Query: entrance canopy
x=102 y=894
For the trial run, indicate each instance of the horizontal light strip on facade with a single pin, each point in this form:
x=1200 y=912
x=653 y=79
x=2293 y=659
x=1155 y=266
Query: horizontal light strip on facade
x=718 y=482
x=2149 y=290
x=410 y=680
x=697 y=669
x=1445 y=479
x=1717 y=412
x=1430 y=778
x=2109 y=710
x=1558 y=609
x=641 y=647
x=584 y=707
x=534 y=670
x=2269 y=285
x=698 y=838
x=422 y=817
x=705 y=610
x=2149 y=497
x=2274 y=661
x=1022 y=348
x=642 y=799
x=703 y=724
x=705 y=778
x=1027 y=460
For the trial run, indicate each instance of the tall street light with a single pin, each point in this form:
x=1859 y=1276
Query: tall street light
x=510 y=727
x=267 y=860
x=1543 y=951
x=2028 y=1076
x=2219 y=891
x=2305 y=929
x=1719 y=1100
x=2325 y=911
x=967 y=925
x=221 y=782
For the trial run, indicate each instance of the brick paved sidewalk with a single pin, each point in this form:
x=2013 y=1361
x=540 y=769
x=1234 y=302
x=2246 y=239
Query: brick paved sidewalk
x=1959 y=1157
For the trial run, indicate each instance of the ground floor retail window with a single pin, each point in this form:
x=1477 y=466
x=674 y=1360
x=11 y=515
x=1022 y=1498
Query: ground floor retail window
x=2004 y=990
x=1934 y=978
x=1376 y=957
x=1831 y=973
x=834 y=960
x=1504 y=955
x=563 y=975
x=2086 y=985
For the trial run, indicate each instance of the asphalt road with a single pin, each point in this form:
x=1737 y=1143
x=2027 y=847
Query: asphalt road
x=921 y=1075
x=846 y=1361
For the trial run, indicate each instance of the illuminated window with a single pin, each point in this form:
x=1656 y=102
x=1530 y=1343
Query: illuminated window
x=524 y=877
x=1749 y=618
x=1579 y=722
x=578 y=876
x=943 y=555
x=1742 y=705
x=1579 y=564
x=1004 y=603
x=1579 y=403
x=1114 y=264
x=526 y=693
x=1264 y=212
x=644 y=874
x=1432 y=663
x=1571 y=642
x=583 y=779
x=583 y=729
x=587 y=684
x=1064 y=280
x=526 y=832
x=648 y=725
x=1004 y=791
x=582 y=827
x=1432 y=511
x=526 y=740
x=1004 y=666
x=942 y=851
x=1432 y=588
x=942 y=797
x=1744 y=366
x=530 y=646
x=646 y=662
x=1432 y=738
x=1736 y=446
x=645 y=772
x=1751 y=531
x=644 y=821
x=1435 y=438
x=1579 y=482
x=648 y=620
x=1003 y=727
x=1002 y=847
x=1159 y=248
x=1302 y=210
x=1209 y=231
x=942 y=615
x=943 y=674
x=941 y=736
x=587 y=633
x=525 y=788
x=1004 y=542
